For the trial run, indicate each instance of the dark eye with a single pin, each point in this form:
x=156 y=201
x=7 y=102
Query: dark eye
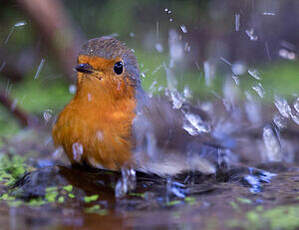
x=118 y=67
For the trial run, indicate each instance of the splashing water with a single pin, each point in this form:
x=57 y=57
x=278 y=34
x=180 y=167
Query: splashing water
x=77 y=150
x=17 y=25
x=238 y=68
x=184 y=29
x=126 y=183
x=259 y=89
x=41 y=64
x=269 y=14
x=289 y=55
x=208 y=72
x=176 y=49
x=282 y=106
x=271 y=140
x=72 y=89
x=159 y=47
x=47 y=115
x=251 y=35
x=194 y=125
x=254 y=73
x=237 y=22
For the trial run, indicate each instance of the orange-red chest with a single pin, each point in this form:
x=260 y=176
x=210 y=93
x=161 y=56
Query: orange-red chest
x=96 y=127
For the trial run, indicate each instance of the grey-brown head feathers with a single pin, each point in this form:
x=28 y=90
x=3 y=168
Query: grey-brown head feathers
x=110 y=48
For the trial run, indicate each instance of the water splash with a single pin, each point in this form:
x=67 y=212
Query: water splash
x=272 y=144
x=126 y=183
x=254 y=73
x=237 y=22
x=238 y=68
x=40 y=66
x=282 y=106
x=269 y=14
x=176 y=49
x=209 y=71
x=72 y=89
x=250 y=33
x=194 y=124
x=17 y=25
x=47 y=115
x=259 y=89
x=286 y=54
x=184 y=29
x=159 y=47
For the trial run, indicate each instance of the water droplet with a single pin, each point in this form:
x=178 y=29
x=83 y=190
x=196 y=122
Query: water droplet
x=72 y=89
x=77 y=150
x=287 y=54
x=184 y=28
x=159 y=47
x=208 y=72
x=269 y=14
x=47 y=115
x=194 y=125
x=132 y=34
x=20 y=24
x=225 y=61
x=236 y=79
x=170 y=19
x=254 y=73
x=272 y=143
x=2 y=66
x=282 y=106
x=41 y=64
x=279 y=121
x=251 y=35
x=238 y=68
x=237 y=22
x=259 y=89
x=175 y=46
x=187 y=92
x=166 y=10
x=176 y=98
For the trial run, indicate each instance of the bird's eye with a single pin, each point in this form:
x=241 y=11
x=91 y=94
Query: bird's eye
x=118 y=67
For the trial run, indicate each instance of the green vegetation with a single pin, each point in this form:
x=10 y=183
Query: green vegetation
x=11 y=168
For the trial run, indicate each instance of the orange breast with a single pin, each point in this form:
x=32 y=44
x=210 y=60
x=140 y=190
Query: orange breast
x=96 y=127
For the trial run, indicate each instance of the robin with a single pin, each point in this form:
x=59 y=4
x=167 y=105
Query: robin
x=111 y=122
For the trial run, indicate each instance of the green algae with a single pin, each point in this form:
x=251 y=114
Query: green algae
x=96 y=209
x=173 y=202
x=142 y=195
x=190 y=200
x=91 y=198
x=68 y=188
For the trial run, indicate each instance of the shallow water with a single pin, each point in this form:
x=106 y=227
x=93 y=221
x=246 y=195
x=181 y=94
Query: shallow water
x=209 y=203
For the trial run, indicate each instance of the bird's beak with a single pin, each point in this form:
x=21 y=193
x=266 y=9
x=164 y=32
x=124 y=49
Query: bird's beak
x=84 y=68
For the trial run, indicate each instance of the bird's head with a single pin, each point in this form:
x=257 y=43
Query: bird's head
x=107 y=63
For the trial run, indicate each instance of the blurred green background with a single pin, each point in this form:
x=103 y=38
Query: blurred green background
x=170 y=38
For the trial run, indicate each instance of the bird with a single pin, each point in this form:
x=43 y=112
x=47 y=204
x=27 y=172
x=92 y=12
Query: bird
x=112 y=123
